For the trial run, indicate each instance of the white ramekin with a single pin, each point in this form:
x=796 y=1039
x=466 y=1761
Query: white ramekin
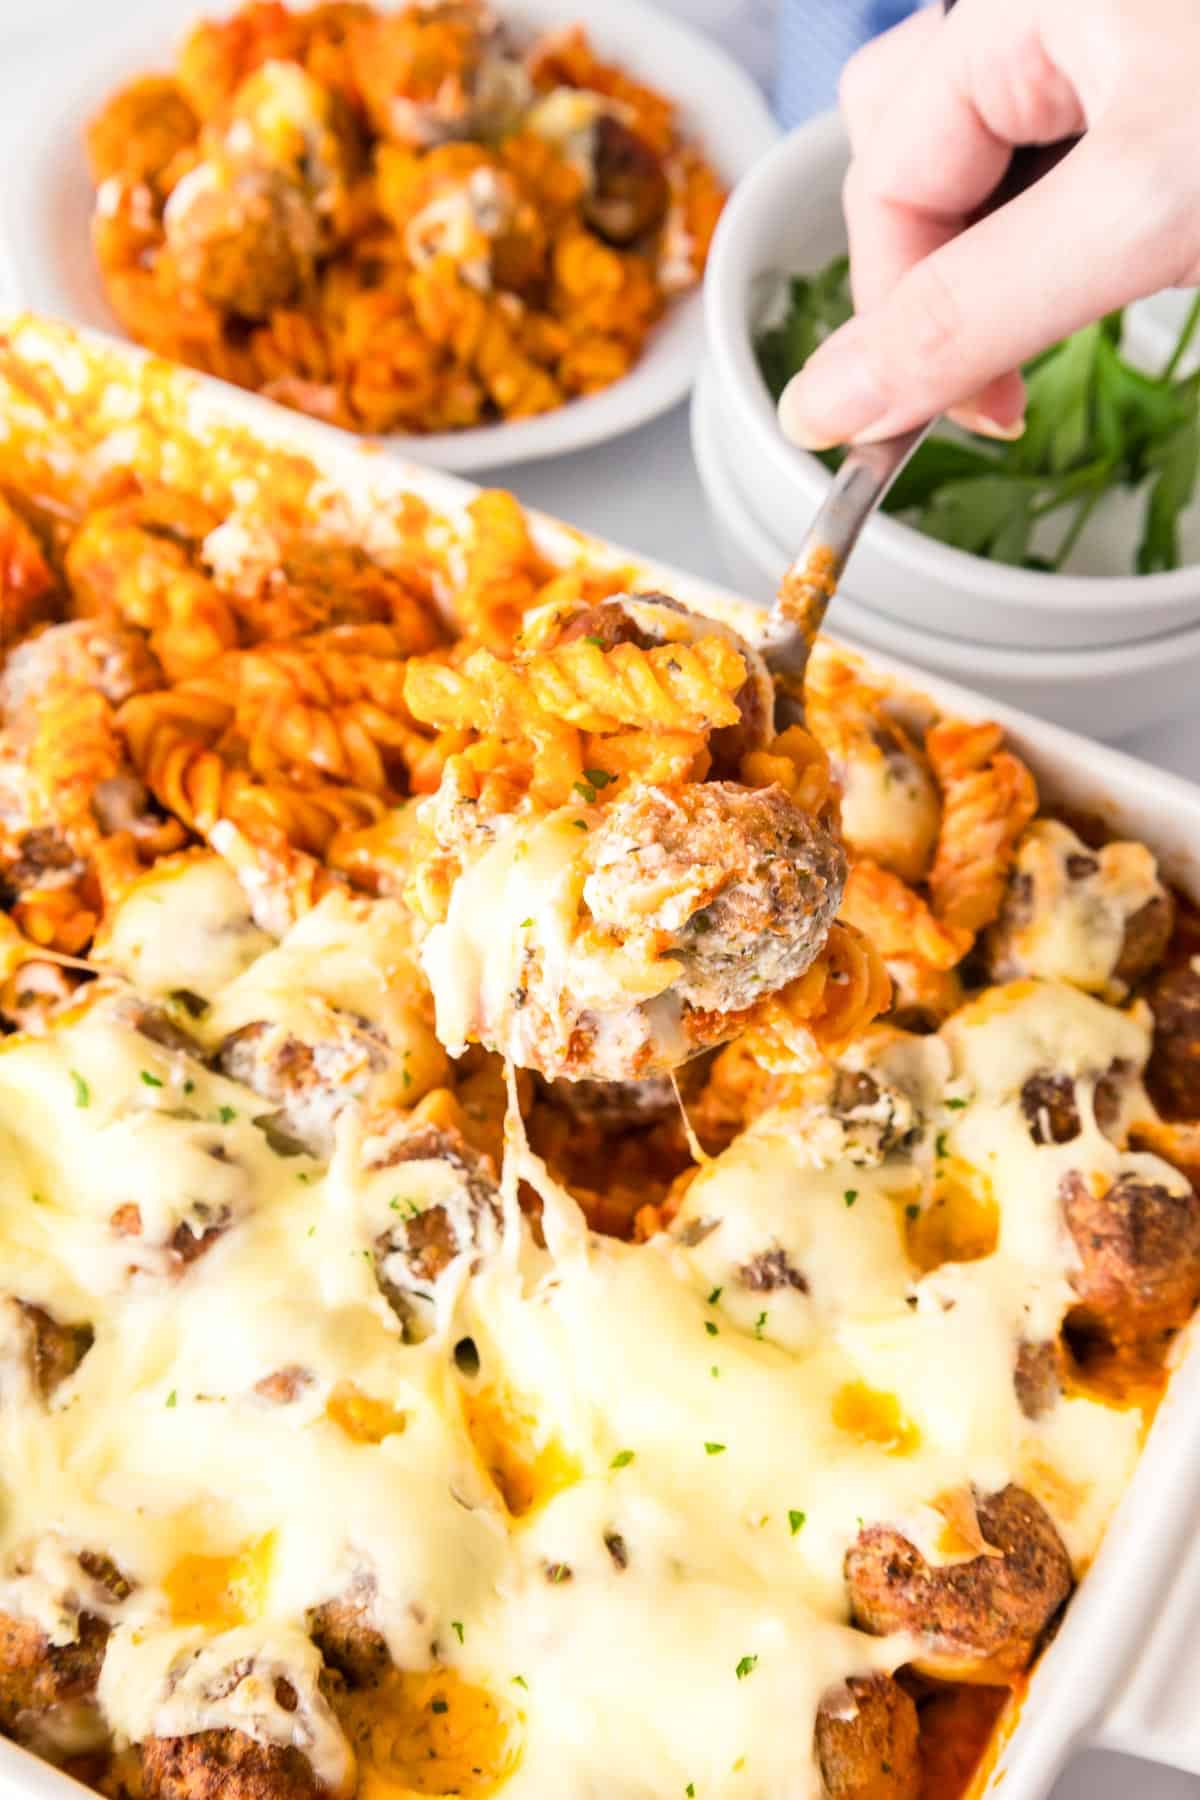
x=784 y=218
x=1107 y=692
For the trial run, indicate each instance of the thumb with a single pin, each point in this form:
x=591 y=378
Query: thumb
x=1092 y=236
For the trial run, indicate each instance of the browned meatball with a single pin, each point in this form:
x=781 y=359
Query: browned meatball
x=866 y=1741
x=1139 y=1254
x=771 y=1270
x=225 y=1765
x=140 y=130
x=47 y=1691
x=629 y=195
x=1147 y=934
x=419 y=1247
x=243 y=236
x=879 y=1118
x=190 y=1238
x=56 y=1349
x=344 y=1634
x=308 y=1085
x=1037 y=1377
x=991 y=1609
x=1173 y=1074
x=82 y=653
x=1049 y=1104
x=760 y=880
x=608 y=623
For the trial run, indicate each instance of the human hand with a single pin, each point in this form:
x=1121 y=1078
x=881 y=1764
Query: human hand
x=947 y=309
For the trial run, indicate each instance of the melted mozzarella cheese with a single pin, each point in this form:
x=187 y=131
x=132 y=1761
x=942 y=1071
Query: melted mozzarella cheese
x=629 y=1525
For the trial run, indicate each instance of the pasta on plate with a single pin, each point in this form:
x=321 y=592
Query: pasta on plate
x=396 y=220
x=384 y=1414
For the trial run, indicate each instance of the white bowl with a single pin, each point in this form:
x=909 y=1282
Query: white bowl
x=45 y=256
x=786 y=218
x=1107 y=692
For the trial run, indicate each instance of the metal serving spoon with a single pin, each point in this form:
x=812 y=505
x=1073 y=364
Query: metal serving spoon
x=859 y=487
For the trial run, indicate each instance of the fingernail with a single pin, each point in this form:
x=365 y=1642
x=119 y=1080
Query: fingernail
x=971 y=419
x=833 y=398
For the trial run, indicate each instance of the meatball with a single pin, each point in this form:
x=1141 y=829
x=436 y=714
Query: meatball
x=244 y=237
x=225 y=1765
x=140 y=131
x=48 y=1690
x=1049 y=1104
x=189 y=1239
x=991 y=1609
x=1098 y=918
x=866 y=1741
x=420 y=1246
x=878 y=1118
x=83 y=653
x=344 y=1634
x=629 y=194
x=1173 y=1075
x=737 y=884
x=37 y=990
x=56 y=1350
x=309 y=1085
x=1037 y=1377
x=771 y=1270
x=1139 y=1254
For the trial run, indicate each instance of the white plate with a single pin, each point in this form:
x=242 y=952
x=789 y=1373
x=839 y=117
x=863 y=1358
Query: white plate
x=46 y=196
x=1123 y=1670
x=1108 y=692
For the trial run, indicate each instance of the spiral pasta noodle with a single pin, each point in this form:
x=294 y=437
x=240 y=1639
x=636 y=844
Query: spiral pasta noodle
x=826 y=1008
x=988 y=798
x=898 y=921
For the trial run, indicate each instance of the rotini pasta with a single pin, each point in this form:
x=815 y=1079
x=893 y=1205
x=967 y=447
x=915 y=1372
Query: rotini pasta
x=988 y=798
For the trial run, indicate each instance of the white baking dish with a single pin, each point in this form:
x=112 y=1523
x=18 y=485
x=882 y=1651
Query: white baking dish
x=1121 y=1672
x=45 y=255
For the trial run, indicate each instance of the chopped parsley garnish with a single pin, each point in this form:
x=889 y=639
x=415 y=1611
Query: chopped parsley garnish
x=585 y=789
x=850 y=1196
x=456 y=1626
x=38 y=1199
x=940 y=1144
x=912 y=1210
x=796 y=1520
x=303 y=1175
x=714 y=1449
x=526 y=923
x=226 y=1114
x=405 y=1078
x=311 y=1232
x=520 y=1681
x=579 y=824
x=439 y=1706
x=409 y=1208
x=149 y=1079
x=715 y=1296
x=955 y=1105
x=591 y=638
x=621 y=1460
x=599 y=778
x=172 y=1397
x=746 y=1667
x=759 y=1323
x=83 y=1093
x=714 y=1372
x=189 y=1086
x=690 y=1790
x=710 y=1328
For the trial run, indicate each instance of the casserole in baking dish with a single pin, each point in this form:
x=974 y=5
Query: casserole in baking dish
x=373 y=1425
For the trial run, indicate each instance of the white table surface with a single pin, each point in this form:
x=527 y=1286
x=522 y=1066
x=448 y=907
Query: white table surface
x=642 y=491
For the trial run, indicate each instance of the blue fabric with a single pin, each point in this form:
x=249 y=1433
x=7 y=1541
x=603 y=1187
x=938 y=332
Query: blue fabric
x=815 y=38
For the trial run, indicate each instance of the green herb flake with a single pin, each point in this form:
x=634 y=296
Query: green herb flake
x=456 y=1626
x=850 y=1196
x=621 y=1460
x=715 y=1296
x=690 y=1790
x=520 y=1681
x=579 y=824
x=439 y=1706
x=38 y=1199
x=796 y=1520
x=591 y=638
x=912 y=1210
x=745 y=1667
x=526 y=923
x=226 y=1114
x=710 y=1328
x=715 y=1372
x=599 y=778
x=758 y=1325
x=586 y=790
x=940 y=1144
x=172 y=1398
x=955 y=1105
x=189 y=1086
x=83 y=1093
x=714 y=1449
x=149 y=1079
